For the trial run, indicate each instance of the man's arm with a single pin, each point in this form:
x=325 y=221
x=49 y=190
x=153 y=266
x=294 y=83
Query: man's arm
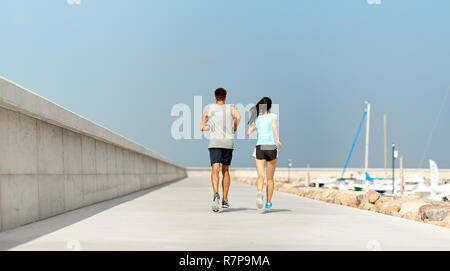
x=203 y=126
x=236 y=117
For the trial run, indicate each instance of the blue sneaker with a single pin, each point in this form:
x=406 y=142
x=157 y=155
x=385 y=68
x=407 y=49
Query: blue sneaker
x=268 y=206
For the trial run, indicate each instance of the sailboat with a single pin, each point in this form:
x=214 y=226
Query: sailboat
x=365 y=181
x=360 y=182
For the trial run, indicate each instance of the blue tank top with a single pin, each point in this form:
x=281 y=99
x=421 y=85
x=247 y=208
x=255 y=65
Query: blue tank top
x=264 y=129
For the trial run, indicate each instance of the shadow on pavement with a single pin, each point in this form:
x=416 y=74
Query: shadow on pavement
x=15 y=237
x=228 y=210
x=276 y=211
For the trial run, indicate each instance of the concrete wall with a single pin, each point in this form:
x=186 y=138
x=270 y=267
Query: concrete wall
x=53 y=161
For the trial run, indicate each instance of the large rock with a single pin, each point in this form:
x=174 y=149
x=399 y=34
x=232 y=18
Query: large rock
x=443 y=223
x=383 y=201
x=368 y=206
x=302 y=192
x=391 y=207
x=360 y=198
x=325 y=195
x=347 y=199
x=372 y=196
x=412 y=215
x=311 y=192
x=318 y=194
x=446 y=222
x=434 y=212
x=411 y=207
x=331 y=196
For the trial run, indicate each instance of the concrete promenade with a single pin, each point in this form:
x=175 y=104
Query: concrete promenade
x=177 y=216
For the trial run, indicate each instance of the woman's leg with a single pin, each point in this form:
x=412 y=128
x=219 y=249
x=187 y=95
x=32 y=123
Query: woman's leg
x=271 y=166
x=260 y=169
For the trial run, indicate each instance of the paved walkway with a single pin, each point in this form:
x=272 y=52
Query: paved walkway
x=178 y=217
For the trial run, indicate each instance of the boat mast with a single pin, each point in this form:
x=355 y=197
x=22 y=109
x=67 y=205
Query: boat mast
x=367 y=137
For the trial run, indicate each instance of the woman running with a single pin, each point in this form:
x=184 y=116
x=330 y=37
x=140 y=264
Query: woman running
x=266 y=126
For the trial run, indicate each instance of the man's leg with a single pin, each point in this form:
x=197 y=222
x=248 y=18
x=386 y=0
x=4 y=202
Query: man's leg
x=225 y=181
x=225 y=160
x=215 y=155
x=215 y=183
x=215 y=170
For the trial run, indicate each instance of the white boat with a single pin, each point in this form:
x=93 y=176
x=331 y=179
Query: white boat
x=439 y=193
x=433 y=191
x=324 y=182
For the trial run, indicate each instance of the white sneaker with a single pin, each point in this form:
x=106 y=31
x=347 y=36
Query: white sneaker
x=259 y=200
x=216 y=203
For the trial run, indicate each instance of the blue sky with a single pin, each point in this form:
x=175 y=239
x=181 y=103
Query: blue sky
x=124 y=64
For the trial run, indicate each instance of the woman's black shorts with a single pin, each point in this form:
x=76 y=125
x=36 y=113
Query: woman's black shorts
x=266 y=152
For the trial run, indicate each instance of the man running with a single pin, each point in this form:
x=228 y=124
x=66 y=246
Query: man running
x=222 y=121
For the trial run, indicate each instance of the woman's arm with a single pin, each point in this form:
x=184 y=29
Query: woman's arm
x=275 y=130
x=251 y=129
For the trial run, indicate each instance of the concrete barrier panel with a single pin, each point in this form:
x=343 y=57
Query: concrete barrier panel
x=101 y=161
x=51 y=195
x=89 y=189
x=50 y=149
x=17 y=143
x=102 y=186
x=128 y=163
x=140 y=164
x=119 y=161
x=113 y=183
x=19 y=200
x=122 y=184
x=88 y=156
x=115 y=180
x=72 y=152
x=134 y=163
x=151 y=166
x=74 y=192
x=111 y=159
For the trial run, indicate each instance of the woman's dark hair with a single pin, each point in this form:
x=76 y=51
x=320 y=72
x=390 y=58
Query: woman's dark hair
x=264 y=105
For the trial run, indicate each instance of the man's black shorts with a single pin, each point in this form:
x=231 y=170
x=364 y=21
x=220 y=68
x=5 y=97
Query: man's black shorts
x=219 y=155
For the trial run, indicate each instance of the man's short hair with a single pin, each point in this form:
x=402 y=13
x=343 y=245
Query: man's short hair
x=220 y=94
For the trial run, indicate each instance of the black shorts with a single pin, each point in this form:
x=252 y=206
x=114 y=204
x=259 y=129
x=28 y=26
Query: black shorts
x=220 y=155
x=266 y=152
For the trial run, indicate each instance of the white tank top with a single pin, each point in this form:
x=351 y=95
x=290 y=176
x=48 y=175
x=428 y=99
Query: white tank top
x=221 y=122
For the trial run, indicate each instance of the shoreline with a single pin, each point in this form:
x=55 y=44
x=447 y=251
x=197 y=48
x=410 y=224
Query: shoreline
x=407 y=207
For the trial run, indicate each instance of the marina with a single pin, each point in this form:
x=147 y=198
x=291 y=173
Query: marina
x=419 y=185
